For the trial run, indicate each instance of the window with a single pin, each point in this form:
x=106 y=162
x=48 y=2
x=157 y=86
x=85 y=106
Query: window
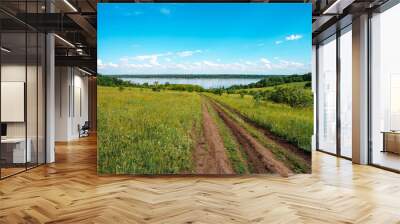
x=346 y=92
x=385 y=89
x=327 y=95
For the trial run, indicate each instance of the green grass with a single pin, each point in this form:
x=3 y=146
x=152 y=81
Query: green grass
x=145 y=132
x=296 y=164
x=234 y=151
x=141 y=131
x=294 y=125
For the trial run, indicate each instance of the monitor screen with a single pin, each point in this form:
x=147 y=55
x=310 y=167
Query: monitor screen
x=3 y=129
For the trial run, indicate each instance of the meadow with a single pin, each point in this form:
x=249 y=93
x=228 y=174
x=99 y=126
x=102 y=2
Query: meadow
x=292 y=124
x=159 y=129
x=145 y=132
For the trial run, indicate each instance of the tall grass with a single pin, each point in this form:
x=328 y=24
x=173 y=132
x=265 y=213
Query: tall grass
x=295 y=125
x=145 y=132
x=295 y=163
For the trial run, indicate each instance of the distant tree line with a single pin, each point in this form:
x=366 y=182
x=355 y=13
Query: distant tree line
x=295 y=96
x=197 y=76
x=274 y=81
x=103 y=80
x=112 y=81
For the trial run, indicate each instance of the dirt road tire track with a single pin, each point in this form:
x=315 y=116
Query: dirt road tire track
x=262 y=158
x=212 y=159
x=279 y=141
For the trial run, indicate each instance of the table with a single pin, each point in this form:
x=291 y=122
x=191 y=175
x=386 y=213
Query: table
x=13 y=150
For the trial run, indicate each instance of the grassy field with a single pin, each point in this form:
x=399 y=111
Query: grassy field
x=292 y=124
x=153 y=131
x=295 y=163
x=146 y=132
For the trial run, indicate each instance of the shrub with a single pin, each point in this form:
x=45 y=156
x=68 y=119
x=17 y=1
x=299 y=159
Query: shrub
x=293 y=96
x=257 y=97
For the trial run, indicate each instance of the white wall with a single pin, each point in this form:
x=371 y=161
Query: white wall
x=14 y=72
x=71 y=87
x=62 y=82
x=33 y=127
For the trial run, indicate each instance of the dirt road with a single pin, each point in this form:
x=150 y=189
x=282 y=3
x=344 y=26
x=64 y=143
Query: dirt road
x=210 y=154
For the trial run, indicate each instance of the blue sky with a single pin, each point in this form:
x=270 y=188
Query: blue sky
x=223 y=38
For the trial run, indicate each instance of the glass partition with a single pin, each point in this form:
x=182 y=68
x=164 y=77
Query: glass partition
x=327 y=95
x=346 y=92
x=41 y=96
x=31 y=99
x=385 y=90
x=22 y=77
x=14 y=153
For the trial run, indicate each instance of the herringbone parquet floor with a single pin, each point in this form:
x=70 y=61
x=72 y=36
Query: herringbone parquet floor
x=70 y=191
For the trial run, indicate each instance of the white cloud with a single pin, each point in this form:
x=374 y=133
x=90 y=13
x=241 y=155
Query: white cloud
x=278 y=42
x=181 y=66
x=140 y=66
x=113 y=65
x=188 y=53
x=249 y=63
x=100 y=64
x=211 y=64
x=151 y=58
x=293 y=37
x=290 y=64
x=160 y=63
x=265 y=61
x=165 y=11
x=124 y=60
x=154 y=61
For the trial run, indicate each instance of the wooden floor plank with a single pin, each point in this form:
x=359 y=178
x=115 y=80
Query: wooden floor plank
x=70 y=191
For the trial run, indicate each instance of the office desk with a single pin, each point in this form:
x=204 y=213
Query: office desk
x=13 y=150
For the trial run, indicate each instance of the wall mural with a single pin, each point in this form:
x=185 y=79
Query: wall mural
x=204 y=88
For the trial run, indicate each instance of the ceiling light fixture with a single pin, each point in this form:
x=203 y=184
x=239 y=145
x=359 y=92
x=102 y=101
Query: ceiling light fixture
x=5 y=50
x=86 y=72
x=70 y=5
x=64 y=40
x=337 y=7
x=333 y=6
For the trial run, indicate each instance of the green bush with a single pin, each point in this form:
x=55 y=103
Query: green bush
x=274 y=80
x=293 y=96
